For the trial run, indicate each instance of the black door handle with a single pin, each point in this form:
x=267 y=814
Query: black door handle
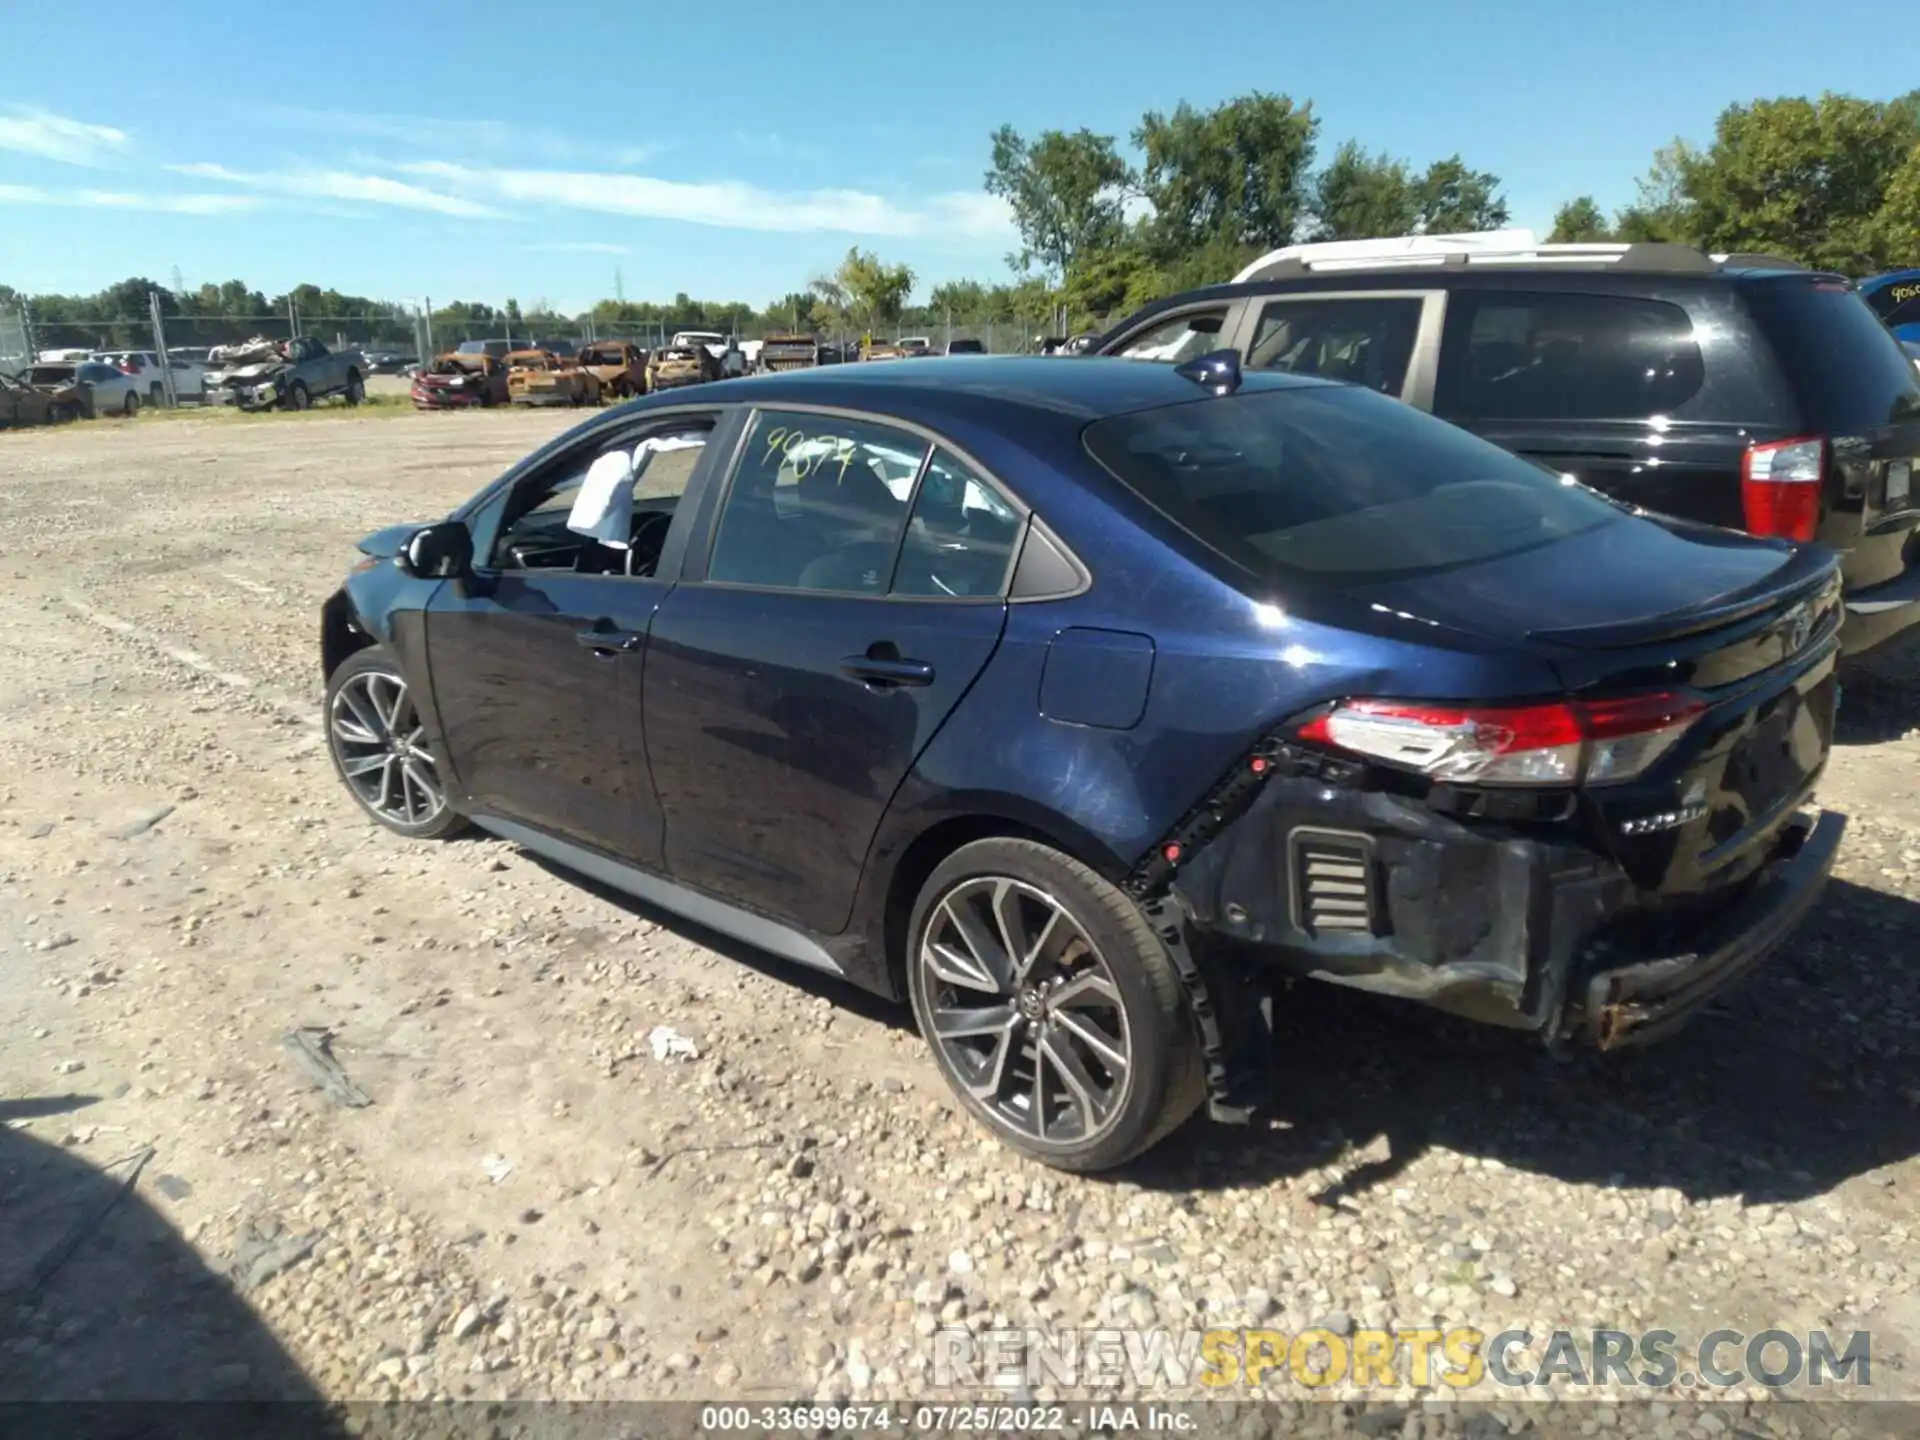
x=610 y=642
x=887 y=672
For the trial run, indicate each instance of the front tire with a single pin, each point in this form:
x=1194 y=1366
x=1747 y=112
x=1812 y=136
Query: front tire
x=130 y=407
x=380 y=751
x=1052 y=1009
x=298 y=397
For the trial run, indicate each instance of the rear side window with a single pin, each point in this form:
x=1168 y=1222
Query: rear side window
x=1843 y=363
x=1511 y=355
x=1364 y=342
x=1326 y=487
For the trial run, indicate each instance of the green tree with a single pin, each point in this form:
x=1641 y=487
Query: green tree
x=964 y=300
x=1803 y=178
x=793 y=311
x=1579 y=221
x=1236 y=173
x=1451 y=199
x=1361 y=196
x=873 y=292
x=1065 y=192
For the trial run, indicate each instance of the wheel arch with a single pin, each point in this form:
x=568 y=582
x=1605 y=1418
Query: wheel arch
x=341 y=633
x=903 y=861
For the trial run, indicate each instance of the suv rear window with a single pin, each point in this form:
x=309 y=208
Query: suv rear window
x=1512 y=355
x=1331 y=486
x=1843 y=363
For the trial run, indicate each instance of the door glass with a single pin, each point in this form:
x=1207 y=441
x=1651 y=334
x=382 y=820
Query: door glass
x=960 y=537
x=818 y=503
x=1364 y=342
x=1176 y=341
x=1518 y=356
x=536 y=534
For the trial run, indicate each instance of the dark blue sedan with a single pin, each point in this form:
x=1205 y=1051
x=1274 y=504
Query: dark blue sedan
x=1073 y=703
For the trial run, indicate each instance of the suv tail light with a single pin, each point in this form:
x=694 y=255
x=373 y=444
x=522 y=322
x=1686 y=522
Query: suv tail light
x=1780 y=486
x=1567 y=743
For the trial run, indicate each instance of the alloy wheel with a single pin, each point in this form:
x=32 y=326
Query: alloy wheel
x=382 y=748
x=1024 y=1011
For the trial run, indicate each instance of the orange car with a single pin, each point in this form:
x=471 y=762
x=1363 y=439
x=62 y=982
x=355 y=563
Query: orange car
x=620 y=367
x=538 y=377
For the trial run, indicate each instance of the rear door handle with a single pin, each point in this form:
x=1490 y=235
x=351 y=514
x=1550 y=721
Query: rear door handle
x=610 y=642
x=887 y=672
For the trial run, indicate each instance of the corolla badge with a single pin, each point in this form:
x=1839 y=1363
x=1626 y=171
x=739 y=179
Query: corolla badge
x=1691 y=807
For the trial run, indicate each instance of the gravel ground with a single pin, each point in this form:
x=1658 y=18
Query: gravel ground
x=533 y=1206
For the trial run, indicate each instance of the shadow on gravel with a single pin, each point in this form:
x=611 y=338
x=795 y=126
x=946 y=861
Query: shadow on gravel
x=1798 y=1080
x=1880 y=697
x=101 y=1299
x=817 y=983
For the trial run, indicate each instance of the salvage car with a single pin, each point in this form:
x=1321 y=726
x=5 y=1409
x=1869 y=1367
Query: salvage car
x=675 y=366
x=1735 y=390
x=789 y=352
x=856 y=666
x=263 y=374
x=619 y=366
x=538 y=377
x=22 y=404
x=102 y=388
x=456 y=382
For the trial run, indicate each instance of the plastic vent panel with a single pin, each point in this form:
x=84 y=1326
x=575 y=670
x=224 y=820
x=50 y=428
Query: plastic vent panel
x=1333 y=883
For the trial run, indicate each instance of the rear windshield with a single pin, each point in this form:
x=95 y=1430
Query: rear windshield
x=1842 y=362
x=1331 y=486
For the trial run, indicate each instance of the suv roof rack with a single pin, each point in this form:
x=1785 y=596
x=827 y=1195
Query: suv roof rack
x=1492 y=248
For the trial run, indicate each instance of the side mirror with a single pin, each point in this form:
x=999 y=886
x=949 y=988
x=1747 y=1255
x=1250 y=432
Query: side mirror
x=439 y=552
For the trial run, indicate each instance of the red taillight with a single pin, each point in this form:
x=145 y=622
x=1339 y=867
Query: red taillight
x=1565 y=743
x=1780 y=486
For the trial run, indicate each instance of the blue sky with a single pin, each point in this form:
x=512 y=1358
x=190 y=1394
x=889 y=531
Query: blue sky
x=477 y=150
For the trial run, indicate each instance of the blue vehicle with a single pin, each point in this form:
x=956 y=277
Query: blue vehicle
x=1895 y=298
x=1073 y=704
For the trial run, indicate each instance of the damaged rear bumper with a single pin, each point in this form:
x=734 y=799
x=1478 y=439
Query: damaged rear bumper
x=1636 y=1003
x=1518 y=926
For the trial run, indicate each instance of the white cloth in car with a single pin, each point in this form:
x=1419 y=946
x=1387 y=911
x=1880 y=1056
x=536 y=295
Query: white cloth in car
x=603 y=510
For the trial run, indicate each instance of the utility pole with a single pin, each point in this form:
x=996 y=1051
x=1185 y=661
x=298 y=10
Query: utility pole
x=160 y=349
x=293 y=320
x=429 y=317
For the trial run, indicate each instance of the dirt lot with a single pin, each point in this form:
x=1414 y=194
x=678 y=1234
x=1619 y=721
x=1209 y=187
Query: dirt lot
x=533 y=1205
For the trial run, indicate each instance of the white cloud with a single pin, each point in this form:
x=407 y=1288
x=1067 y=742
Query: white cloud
x=32 y=131
x=473 y=135
x=726 y=204
x=191 y=204
x=342 y=185
x=579 y=247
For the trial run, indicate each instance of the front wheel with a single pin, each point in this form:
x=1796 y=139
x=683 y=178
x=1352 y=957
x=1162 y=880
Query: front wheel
x=379 y=747
x=298 y=397
x=131 y=406
x=1052 y=1009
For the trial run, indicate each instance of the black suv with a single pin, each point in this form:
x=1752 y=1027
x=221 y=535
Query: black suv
x=1740 y=391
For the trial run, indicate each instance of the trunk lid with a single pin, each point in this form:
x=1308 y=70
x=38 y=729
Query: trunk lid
x=1748 y=628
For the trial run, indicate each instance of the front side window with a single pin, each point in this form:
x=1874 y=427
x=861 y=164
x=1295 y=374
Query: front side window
x=960 y=537
x=535 y=533
x=1176 y=341
x=1324 y=487
x=1511 y=355
x=1361 y=341
x=818 y=503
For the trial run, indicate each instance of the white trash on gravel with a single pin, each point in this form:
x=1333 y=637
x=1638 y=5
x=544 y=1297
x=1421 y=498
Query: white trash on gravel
x=669 y=1044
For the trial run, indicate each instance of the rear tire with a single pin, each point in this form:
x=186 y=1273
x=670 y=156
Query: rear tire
x=1081 y=1054
x=356 y=388
x=130 y=407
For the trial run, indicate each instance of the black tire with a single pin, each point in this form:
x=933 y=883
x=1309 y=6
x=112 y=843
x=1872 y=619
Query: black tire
x=356 y=388
x=298 y=397
x=63 y=414
x=156 y=396
x=369 y=667
x=130 y=407
x=1165 y=1081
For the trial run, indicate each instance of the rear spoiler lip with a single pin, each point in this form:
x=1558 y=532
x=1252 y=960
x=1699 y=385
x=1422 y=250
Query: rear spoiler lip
x=1810 y=570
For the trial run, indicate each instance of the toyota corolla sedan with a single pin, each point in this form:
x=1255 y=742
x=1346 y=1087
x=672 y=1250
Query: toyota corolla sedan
x=1072 y=704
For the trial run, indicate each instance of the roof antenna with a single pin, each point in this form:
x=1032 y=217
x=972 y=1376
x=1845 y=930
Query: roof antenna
x=1217 y=371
